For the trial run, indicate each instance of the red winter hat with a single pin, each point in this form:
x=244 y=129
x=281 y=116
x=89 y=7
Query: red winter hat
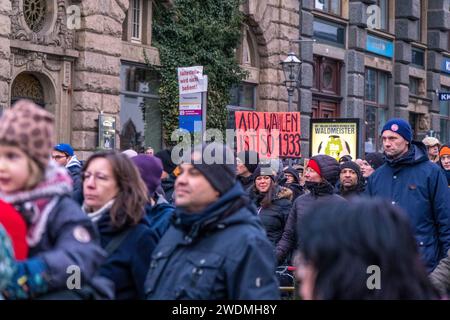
x=16 y=229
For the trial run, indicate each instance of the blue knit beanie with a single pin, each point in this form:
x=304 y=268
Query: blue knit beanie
x=399 y=126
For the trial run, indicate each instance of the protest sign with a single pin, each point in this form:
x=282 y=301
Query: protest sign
x=271 y=134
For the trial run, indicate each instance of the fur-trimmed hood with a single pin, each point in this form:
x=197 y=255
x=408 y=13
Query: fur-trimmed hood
x=284 y=193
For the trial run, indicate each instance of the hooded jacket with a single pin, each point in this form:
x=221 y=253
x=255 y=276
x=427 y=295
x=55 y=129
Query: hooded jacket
x=329 y=168
x=296 y=188
x=220 y=253
x=418 y=186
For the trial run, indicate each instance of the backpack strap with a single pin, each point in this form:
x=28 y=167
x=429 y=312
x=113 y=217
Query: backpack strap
x=116 y=241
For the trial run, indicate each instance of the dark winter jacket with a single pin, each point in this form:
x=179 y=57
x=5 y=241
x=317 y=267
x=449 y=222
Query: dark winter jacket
x=70 y=240
x=418 y=186
x=274 y=216
x=288 y=241
x=247 y=182
x=74 y=168
x=220 y=253
x=168 y=185
x=295 y=187
x=159 y=217
x=127 y=266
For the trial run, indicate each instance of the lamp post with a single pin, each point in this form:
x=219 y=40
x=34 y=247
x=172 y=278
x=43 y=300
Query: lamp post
x=291 y=68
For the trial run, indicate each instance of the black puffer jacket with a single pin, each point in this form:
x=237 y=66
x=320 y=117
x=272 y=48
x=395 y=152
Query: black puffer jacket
x=275 y=215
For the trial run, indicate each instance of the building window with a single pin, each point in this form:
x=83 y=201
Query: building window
x=384 y=14
x=416 y=86
x=329 y=32
x=140 y=117
x=136 y=20
x=444 y=114
x=375 y=108
x=137 y=25
x=418 y=57
x=421 y=21
x=330 y=6
x=243 y=96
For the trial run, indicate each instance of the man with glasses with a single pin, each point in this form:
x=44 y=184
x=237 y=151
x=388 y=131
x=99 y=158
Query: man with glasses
x=64 y=156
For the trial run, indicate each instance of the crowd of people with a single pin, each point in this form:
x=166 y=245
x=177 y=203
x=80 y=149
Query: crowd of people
x=139 y=226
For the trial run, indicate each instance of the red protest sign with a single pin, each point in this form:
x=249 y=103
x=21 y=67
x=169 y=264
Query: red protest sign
x=271 y=134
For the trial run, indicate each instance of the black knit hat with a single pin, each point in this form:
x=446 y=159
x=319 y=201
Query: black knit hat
x=351 y=165
x=293 y=172
x=250 y=159
x=220 y=170
x=375 y=159
x=329 y=168
x=166 y=159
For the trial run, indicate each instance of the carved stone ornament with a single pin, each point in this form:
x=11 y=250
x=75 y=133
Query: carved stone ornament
x=35 y=61
x=424 y=122
x=28 y=18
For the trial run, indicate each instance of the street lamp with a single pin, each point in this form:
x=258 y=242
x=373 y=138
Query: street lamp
x=291 y=68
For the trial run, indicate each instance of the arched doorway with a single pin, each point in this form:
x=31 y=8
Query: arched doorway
x=27 y=86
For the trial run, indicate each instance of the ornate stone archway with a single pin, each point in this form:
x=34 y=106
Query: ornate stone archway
x=27 y=86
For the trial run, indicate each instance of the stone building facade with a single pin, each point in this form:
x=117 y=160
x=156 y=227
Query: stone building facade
x=373 y=60
x=79 y=69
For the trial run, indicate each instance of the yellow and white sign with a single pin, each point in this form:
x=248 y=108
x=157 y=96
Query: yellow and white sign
x=334 y=137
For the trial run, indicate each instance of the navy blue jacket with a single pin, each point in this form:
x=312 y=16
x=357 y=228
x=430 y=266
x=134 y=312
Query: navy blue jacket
x=224 y=255
x=70 y=239
x=418 y=186
x=74 y=168
x=128 y=265
x=159 y=217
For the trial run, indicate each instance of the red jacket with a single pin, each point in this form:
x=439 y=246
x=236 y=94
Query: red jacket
x=16 y=229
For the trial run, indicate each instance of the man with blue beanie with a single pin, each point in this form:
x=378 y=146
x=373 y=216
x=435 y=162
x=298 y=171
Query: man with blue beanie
x=64 y=155
x=409 y=180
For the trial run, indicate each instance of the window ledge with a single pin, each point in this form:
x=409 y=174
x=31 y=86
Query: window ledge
x=135 y=52
x=329 y=16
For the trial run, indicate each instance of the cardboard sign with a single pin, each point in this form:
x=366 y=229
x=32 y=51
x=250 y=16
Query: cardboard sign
x=334 y=137
x=271 y=134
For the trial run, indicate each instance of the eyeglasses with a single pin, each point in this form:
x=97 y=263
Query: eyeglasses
x=58 y=157
x=97 y=176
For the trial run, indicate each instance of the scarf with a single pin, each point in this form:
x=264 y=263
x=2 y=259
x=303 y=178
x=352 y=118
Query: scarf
x=195 y=223
x=96 y=215
x=319 y=189
x=36 y=205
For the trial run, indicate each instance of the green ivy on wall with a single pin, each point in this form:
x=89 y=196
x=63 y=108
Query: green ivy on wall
x=197 y=33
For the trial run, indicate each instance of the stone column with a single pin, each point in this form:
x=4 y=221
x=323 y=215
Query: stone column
x=276 y=22
x=306 y=80
x=5 y=69
x=97 y=71
x=407 y=13
x=437 y=36
x=355 y=60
